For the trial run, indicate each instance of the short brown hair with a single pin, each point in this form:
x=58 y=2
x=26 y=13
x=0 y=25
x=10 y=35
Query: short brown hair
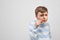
x=41 y=9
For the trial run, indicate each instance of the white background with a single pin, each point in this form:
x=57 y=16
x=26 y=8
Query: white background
x=15 y=16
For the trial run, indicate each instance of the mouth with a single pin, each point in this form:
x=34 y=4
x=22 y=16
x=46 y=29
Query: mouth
x=44 y=20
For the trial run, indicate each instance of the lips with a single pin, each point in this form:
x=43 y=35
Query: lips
x=44 y=20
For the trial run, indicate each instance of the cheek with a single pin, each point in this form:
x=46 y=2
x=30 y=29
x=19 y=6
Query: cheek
x=46 y=17
x=39 y=17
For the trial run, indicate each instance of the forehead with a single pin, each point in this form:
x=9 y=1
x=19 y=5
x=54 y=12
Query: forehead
x=43 y=13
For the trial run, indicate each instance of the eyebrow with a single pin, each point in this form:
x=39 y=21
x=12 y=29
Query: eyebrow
x=43 y=14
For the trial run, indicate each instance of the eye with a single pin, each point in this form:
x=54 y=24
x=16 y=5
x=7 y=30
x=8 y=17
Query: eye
x=45 y=14
x=41 y=15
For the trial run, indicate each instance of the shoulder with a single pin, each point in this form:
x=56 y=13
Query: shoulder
x=32 y=22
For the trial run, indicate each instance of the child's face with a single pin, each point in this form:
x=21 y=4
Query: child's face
x=42 y=16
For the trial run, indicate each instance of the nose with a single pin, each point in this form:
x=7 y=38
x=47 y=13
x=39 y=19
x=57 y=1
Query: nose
x=43 y=17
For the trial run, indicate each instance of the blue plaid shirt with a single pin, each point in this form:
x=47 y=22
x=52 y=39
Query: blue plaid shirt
x=43 y=31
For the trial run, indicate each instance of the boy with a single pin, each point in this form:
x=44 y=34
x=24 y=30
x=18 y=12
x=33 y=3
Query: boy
x=39 y=29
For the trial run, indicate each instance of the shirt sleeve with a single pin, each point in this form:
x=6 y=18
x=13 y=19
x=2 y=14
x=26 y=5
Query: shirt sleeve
x=33 y=31
x=50 y=34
